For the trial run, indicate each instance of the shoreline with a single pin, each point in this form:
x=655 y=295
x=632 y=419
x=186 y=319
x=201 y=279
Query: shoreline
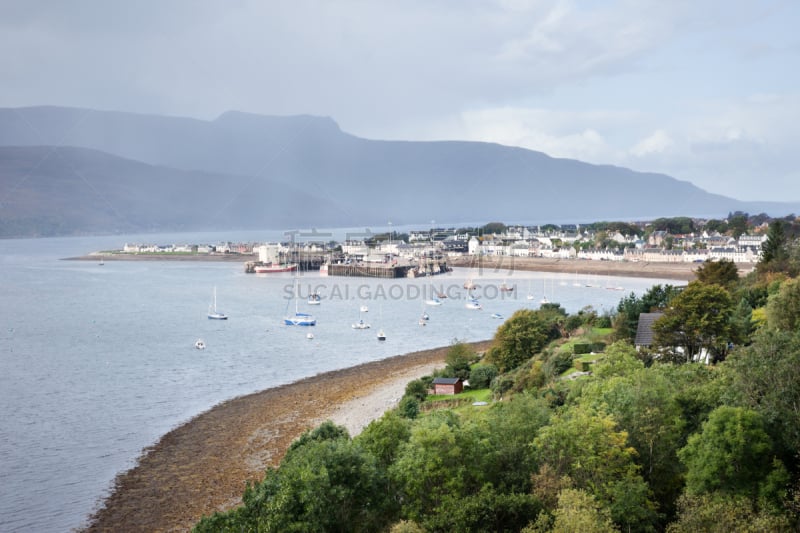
x=640 y=269
x=582 y=267
x=203 y=465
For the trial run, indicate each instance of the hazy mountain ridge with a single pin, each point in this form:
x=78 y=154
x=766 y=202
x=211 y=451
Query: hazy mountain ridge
x=48 y=191
x=291 y=172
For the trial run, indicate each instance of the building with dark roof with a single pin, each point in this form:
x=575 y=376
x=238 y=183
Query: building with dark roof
x=447 y=385
x=644 y=332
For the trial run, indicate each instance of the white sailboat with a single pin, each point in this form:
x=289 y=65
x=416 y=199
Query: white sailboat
x=434 y=299
x=381 y=334
x=298 y=319
x=213 y=313
x=472 y=302
x=361 y=324
x=544 y=299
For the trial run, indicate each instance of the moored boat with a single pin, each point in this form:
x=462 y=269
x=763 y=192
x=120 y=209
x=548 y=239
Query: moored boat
x=275 y=269
x=298 y=319
x=213 y=314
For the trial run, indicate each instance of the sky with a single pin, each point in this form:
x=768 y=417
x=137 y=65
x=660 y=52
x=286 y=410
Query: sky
x=706 y=91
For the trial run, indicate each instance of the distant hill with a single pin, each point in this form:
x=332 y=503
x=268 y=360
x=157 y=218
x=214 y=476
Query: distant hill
x=252 y=171
x=50 y=191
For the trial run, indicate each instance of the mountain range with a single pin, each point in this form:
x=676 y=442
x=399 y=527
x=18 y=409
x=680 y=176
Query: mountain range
x=80 y=171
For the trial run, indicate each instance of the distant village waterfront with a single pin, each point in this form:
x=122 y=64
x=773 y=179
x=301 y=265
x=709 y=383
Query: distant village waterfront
x=567 y=248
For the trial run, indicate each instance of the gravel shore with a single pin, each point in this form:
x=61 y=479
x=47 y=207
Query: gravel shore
x=203 y=465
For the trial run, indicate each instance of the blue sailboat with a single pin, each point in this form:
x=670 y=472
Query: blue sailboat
x=298 y=318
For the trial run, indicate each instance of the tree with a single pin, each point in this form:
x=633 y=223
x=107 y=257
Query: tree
x=723 y=514
x=488 y=510
x=408 y=407
x=578 y=511
x=590 y=450
x=481 y=376
x=417 y=389
x=507 y=431
x=382 y=437
x=773 y=250
x=457 y=360
x=325 y=431
x=519 y=338
x=630 y=307
x=494 y=227
x=732 y=454
x=698 y=319
x=325 y=485
x=765 y=376
x=436 y=462
x=783 y=308
x=737 y=223
x=645 y=405
x=722 y=272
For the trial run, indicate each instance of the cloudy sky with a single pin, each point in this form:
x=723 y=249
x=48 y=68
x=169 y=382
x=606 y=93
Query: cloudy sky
x=704 y=90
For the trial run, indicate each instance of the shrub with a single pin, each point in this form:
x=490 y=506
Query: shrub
x=581 y=348
x=557 y=364
x=603 y=321
x=409 y=407
x=502 y=384
x=417 y=389
x=598 y=347
x=480 y=377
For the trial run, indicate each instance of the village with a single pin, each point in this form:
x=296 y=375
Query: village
x=437 y=245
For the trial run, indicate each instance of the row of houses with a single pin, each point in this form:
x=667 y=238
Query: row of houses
x=220 y=248
x=746 y=249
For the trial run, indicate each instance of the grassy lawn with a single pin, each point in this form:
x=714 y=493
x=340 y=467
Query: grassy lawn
x=595 y=335
x=478 y=395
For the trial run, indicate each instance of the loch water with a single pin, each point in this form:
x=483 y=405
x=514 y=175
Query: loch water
x=97 y=362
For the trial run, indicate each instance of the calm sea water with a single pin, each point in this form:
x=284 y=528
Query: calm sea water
x=98 y=362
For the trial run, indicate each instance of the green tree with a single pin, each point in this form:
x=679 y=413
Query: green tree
x=783 y=308
x=773 y=250
x=487 y=510
x=698 y=319
x=481 y=376
x=732 y=454
x=645 y=405
x=579 y=511
x=408 y=407
x=417 y=389
x=435 y=463
x=630 y=307
x=494 y=227
x=507 y=431
x=325 y=431
x=675 y=225
x=588 y=448
x=715 y=513
x=457 y=360
x=519 y=338
x=383 y=437
x=716 y=225
x=325 y=485
x=742 y=323
x=737 y=223
x=765 y=376
x=722 y=272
